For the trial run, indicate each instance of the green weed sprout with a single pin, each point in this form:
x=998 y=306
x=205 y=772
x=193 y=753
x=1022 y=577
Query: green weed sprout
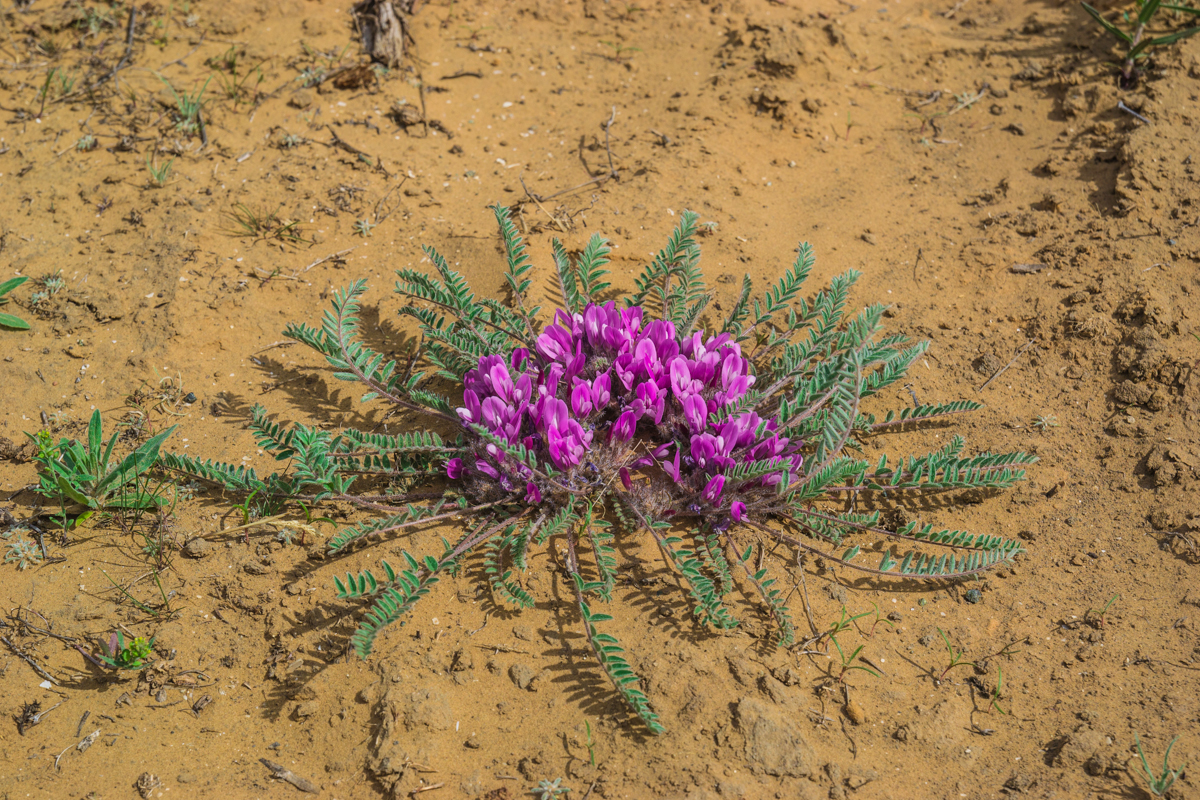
x=1136 y=42
x=1099 y=619
x=591 y=745
x=956 y=659
x=620 y=51
x=848 y=664
x=158 y=172
x=549 y=790
x=82 y=478
x=188 y=106
x=8 y=320
x=998 y=692
x=21 y=552
x=1159 y=784
x=132 y=657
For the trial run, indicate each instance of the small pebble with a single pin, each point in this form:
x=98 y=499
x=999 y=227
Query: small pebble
x=973 y=596
x=855 y=712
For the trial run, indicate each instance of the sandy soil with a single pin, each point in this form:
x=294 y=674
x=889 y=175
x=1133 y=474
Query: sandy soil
x=940 y=152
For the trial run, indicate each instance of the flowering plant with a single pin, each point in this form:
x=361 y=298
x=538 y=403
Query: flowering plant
x=623 y=418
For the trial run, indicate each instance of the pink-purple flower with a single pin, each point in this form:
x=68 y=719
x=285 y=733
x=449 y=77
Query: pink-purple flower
x=602 y=388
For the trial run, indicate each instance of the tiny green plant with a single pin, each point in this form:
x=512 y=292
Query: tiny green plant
x=133 y=657
x=1098 y=618
x=292 y=141
x=49 y=285
x=264 y=225
x=591 y=745
x=473 y=33
x=1136 y=40
x=1159 y=784
x=549 y=790
x=998 y=691
x=620 y=52
x=1044 y=422
x=21 y=552
x=956 y=657
x=86 y=143
x=844 y=622
x=847 y=662
x=188 y=106
x=82 y=478
x=630 y=9
x=158 y=172
x=8 y=320
x=363 y=227
x=877 y=618
x=233 y=83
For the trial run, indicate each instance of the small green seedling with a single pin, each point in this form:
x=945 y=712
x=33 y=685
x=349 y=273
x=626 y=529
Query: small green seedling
x=8 y=320
x=189 y=106
x=956 y=658
x=82 y=478
x=473 y=33
x=21 y=551
x=848 y=664
x=1136 y=41
x=1159 y=784
x=591 y=745
x=264 y=225
x=363 y=227
x=619 y=51
x=132 y=657
x=158 y=172
x=878 y=618
x=549 y=790
x=1044 y=422
x=1099 y=619
x=845 y=622
x=998 y=692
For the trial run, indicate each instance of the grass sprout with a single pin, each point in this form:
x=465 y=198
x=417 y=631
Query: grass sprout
x=956 y=657
x=264 y=225
x=1098 y=618
x=159 y=173
x=1136 y=40
x=1160 y=783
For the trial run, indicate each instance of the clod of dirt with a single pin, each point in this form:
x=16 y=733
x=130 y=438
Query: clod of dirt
x=1165 y=519
x=1079 y=747
x=855 y=712
x=787 y=676
x=522 y=675
x=1143 y=356
x=18 y=453
x=987 y=364
x=1133 y=394
x=198 y=548
x=406 y=115
x=775 y=743
x=301 y=98
x=1018 y=782
x=308 y=709
x=1169 y=464
x=860 y=777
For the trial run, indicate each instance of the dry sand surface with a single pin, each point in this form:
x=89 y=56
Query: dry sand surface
x=970 y=159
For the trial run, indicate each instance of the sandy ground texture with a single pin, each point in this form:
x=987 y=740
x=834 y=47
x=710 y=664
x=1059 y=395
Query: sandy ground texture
x=972 y=159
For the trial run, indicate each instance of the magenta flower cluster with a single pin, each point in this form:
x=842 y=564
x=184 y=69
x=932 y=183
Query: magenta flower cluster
x=602 y=388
